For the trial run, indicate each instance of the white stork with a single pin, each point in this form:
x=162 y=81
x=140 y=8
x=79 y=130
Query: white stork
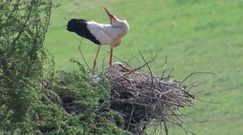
x=100 y=34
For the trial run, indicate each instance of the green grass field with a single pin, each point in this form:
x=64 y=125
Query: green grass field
x=196 y=35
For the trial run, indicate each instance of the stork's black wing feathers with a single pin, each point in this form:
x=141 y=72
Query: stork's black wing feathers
x=79 y=26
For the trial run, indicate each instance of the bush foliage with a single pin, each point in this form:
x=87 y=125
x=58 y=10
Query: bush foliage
x=23 y=24
x=34 y=98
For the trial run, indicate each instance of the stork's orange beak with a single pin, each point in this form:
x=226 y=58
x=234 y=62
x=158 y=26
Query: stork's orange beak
x=124 y=69
x=111 y=16
x=107 y=11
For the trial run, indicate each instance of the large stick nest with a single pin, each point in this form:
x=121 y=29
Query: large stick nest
x=142 y=98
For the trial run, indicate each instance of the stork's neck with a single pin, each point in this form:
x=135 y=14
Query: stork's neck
x=125 y=26
x=122 y=25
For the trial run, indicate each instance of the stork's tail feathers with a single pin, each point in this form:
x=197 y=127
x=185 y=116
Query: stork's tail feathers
x=74 y=24
x=79 y=26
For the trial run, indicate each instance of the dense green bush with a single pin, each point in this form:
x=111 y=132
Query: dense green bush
x=23 y=24
x=33 y=99
x=86 y=103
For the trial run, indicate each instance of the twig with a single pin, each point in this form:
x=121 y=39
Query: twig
x=211 y=102
x=130 y=59
x=199 y=121
x=185 y=129
x=169 y=75
x=130 y=119
x=103 y=63
x=151 y=74
x=132 y=71
x=164 y=69
x=156 y=54
x=80 y=43
x=194 y=73
x=166 y=129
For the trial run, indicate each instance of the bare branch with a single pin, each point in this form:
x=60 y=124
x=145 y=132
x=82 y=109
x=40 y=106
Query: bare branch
x=151 y=74
x=164 y=69
x=80 y=50
x=194 y=73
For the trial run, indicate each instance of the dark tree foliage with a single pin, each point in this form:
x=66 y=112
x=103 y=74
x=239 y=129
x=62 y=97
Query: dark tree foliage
x=33 y=100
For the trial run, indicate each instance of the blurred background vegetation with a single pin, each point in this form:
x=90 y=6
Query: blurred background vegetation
x=195 y=35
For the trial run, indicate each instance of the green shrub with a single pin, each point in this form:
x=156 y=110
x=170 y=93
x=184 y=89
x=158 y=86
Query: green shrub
x=23 y=24
x=32 y=98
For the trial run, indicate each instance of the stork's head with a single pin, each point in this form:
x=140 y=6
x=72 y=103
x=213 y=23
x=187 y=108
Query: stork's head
x=112 y=17
x=118 y=69
x=114 y=21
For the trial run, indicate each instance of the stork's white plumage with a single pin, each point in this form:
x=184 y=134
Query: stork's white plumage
x=100 y=34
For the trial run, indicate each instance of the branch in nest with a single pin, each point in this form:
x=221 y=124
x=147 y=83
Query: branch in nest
x=151 y=74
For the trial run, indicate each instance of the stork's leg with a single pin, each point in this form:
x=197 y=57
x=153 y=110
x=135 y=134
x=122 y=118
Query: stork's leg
x=94 y=64
x=110 y=62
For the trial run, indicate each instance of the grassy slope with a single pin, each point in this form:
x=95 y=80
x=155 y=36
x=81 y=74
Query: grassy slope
x=195 y=35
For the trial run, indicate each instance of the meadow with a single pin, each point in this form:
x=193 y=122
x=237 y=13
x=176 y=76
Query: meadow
x=195 y=36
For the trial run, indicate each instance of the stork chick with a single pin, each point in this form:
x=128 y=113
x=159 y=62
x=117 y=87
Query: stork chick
x=117 y=69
